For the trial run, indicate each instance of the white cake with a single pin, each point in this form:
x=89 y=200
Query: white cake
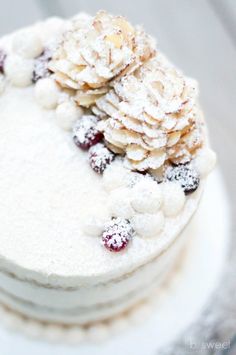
x=86 y=234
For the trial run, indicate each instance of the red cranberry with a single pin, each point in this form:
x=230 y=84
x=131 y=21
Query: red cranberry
x=100 y=157
x=117 y=234
x=2 y=60
x=86 y=133
x=41 y=66
x=185 y=175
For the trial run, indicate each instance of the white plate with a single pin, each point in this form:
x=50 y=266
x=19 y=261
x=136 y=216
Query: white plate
x=176 y=309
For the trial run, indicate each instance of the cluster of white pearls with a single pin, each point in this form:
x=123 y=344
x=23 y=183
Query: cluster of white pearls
x=49 y=96
x=26 y=45
x=145 y=202
x=148 y=204
x=47 y=93
x=173 y=199
x=19 y=70
x=67 y=113
x=76 y=334
x=146 y=196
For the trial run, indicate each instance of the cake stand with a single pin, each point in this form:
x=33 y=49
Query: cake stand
x=173 y=308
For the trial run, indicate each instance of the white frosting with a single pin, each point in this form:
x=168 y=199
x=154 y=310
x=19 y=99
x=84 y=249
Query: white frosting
x=19 y=70
x=47 y=93
x=67 y=113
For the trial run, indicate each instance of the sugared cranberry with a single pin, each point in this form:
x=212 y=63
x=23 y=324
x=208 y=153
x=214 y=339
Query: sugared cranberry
x=2 y=60
x=185 y=175
x=85 y=132
x=41 y=66
x=100 y=157
x=117 y=234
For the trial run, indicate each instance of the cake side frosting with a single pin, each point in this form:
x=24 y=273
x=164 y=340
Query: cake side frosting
x=86 y=304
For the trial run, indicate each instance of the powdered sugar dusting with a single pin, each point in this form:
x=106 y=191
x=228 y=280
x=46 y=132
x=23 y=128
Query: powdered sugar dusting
x=185 y=175
x=41 y=65
x=149 y=107
x=96 y=51
x=100 y=157
x=118 y=232
x=85 y=132
x=151 y=115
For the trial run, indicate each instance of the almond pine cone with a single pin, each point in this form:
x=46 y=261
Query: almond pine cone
x=95 y=52
x=151 y=116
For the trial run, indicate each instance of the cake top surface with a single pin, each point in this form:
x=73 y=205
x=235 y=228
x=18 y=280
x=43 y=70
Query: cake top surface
x=102 y=154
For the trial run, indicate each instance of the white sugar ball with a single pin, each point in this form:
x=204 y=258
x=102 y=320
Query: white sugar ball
x=53 y=332
x=47 y=93
x=148 y=225
x=51 y=29
x=205 y=161
x=11 y=320
x=114 y=176
x=173 y=198
x=19 y=70
x=67 y=113
x=82 y=18
x=75 y=335
x=33 y=329
x=147 y=196
x=97 y=333
x=140 y=313
x=119 y=203
x=2 y=83
x=27 y=44
x=118 y=324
